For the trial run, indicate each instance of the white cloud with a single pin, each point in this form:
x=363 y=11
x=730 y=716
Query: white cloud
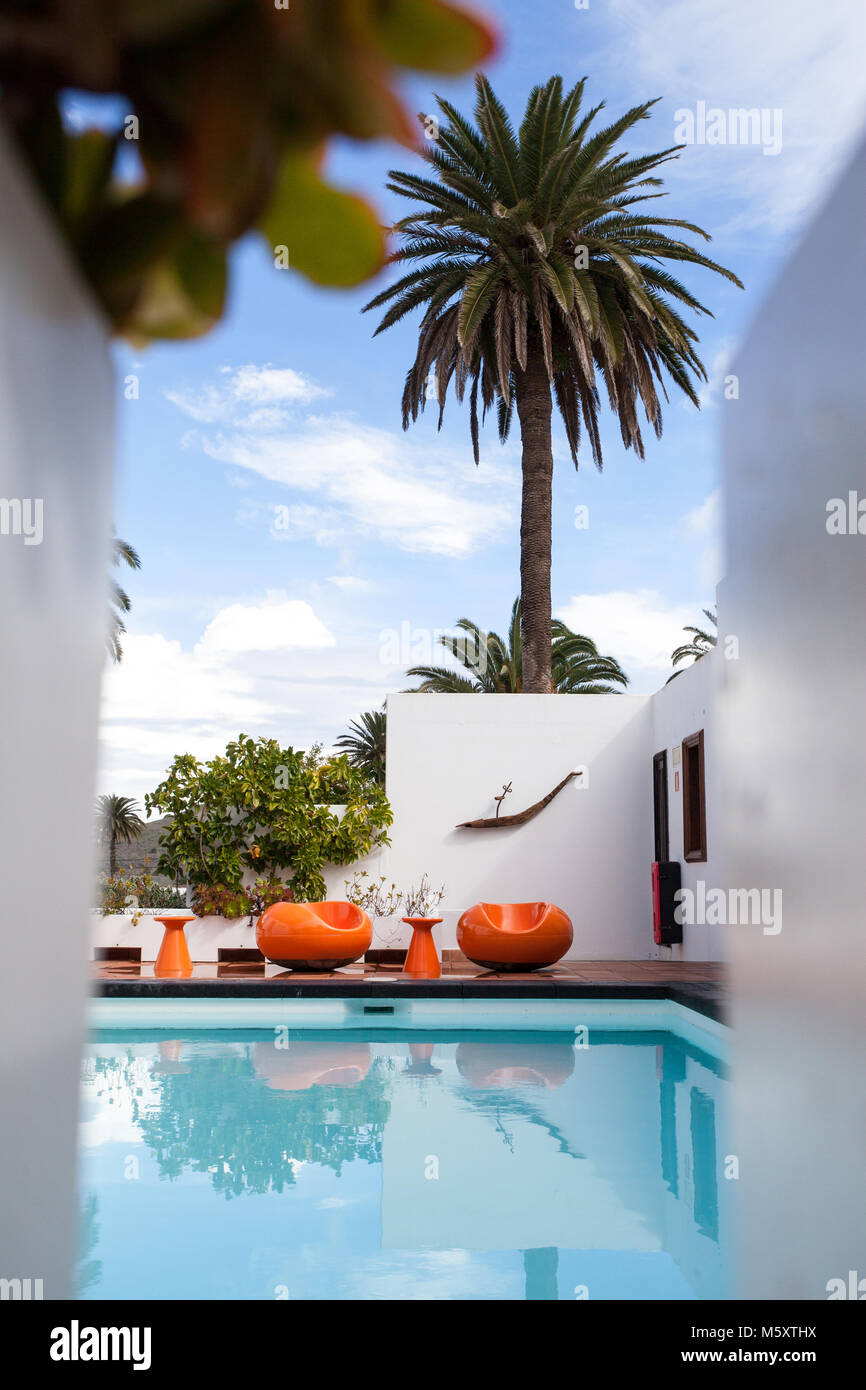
x=344 y=478
x=270 y=667
x=250 y=397
x=703 y=520
x=803 y=58
x=278 y=624
x=350 y=583
x=639 y=628
x=704 y=524
x=302 y=521
x=710 y=390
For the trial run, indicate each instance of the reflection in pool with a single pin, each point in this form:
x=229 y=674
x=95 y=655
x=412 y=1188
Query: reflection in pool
x=362 y=1165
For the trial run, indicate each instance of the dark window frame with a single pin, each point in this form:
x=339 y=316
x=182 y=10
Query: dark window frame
x=661 y=808
x=694 y=799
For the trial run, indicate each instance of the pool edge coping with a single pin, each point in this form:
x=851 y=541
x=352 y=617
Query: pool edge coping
x=706 y=999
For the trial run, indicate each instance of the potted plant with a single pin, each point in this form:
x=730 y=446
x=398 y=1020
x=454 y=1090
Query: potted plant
x=382 y=902
x=394 y=912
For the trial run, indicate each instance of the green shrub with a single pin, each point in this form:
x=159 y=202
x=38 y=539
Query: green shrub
x=265 y=809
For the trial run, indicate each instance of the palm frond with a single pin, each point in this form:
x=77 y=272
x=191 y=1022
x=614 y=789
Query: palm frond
x=496 y=663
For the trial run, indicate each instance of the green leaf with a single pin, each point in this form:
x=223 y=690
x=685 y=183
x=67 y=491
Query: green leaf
x=230 y=148
x=538 y=238
x=183 y=295
x=480 y=287
x=150 y=21
x=431 y=36
x=332 y=237
x=203 y=273
x=560 y=279
x=89 y=160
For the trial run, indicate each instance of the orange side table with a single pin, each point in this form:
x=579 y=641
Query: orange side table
x=173 y=962
x=422 y=960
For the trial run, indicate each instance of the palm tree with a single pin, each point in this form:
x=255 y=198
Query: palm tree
x=701 y=643
x=496 y=665
x=122 y=553
x=117 y=819
x=364 y=744
x=535 y=273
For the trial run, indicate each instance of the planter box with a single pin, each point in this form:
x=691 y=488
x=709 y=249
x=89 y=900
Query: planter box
x=392 y=934
x=205 y=936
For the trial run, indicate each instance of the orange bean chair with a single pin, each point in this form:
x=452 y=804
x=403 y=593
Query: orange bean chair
x=490 y=1065
x=514 y=936
x=313 y=936
x=306 y=1064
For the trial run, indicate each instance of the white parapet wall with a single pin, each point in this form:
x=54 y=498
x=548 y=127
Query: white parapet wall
x=589 y=851
x=683 y=707
x=591 y=848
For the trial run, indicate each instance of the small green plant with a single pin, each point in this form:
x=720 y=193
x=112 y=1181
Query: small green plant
x=128 y=892
x=216 y=901
x=422 y=901
x=373 y=897
x=380 y=901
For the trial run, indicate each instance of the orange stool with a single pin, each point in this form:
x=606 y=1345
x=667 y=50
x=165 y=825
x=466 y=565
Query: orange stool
x=173 y=962
x=422 y=959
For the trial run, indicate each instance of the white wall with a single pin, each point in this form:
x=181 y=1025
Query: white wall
x=684 y=707
x=794 y=760
x=589 y=851
x=56 y=439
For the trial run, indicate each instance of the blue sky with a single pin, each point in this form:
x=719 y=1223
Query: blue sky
x=299 y=550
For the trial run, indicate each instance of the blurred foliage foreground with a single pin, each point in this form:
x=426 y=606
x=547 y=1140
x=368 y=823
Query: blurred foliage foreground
x=227 y=107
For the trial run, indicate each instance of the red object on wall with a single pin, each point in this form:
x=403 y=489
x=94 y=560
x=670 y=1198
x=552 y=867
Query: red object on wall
x=676 y=781
x=657 y=906
x=666 y=880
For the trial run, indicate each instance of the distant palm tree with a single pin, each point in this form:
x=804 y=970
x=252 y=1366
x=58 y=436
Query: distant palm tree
x=701 y=643
x=122 y=553
x=496 y=665
x=364 y=744
x=543 y=277
x=117 y=819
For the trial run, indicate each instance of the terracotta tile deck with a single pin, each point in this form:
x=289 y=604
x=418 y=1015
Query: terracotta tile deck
x=454 y=967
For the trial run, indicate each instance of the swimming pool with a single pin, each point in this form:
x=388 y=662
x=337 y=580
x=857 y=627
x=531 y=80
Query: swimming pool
x=378 y=1163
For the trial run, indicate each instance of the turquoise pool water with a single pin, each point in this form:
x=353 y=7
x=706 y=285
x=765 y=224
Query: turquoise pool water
x=412 y=1165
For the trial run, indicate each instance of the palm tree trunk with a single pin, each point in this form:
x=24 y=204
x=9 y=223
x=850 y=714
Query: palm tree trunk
x=534 y=409
x=112 y=856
